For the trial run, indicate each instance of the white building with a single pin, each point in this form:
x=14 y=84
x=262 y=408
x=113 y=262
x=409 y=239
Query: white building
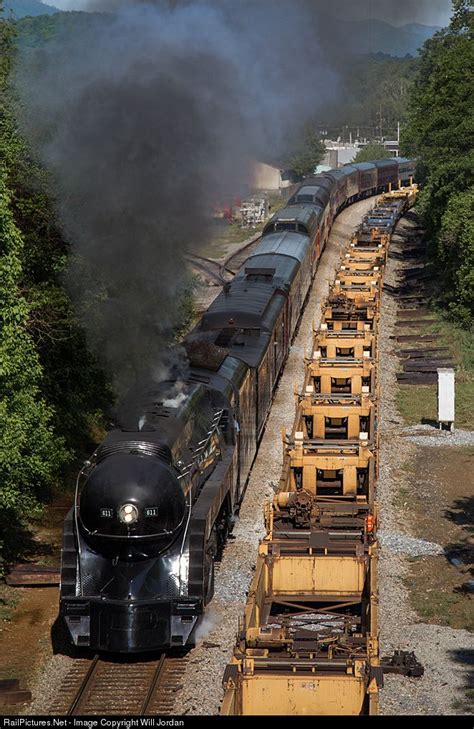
x=268 y=177
x=338 y=155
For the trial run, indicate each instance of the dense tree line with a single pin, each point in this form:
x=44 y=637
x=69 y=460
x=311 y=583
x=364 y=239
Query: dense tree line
x=371 y=152
x=307 y=154
x=440 y=133
x=375 y=93
x=52 y=393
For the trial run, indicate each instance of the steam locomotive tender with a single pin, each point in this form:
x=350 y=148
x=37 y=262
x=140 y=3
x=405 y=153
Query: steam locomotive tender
x=155 y=503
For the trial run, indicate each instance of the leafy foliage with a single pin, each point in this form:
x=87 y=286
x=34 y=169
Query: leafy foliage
x=7 y=35
x=52 y=394
x=440 y=125
x=308 y=154
x=456 y=252
x=186 y=314
x=20 y=8
x=31 y=455
x=376 y=94
x=72 y=382
x=35 y=32
x=440 y=133
x=371 y=152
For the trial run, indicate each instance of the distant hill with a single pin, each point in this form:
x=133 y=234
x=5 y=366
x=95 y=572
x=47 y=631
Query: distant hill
x=360 y=37
x=36 y=32
x=23 y=8
x=376 y=36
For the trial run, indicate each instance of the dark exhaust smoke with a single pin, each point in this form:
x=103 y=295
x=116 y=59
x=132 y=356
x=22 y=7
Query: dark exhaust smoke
x=145 y=118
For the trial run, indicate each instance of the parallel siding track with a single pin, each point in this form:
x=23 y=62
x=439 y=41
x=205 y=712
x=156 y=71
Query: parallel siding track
x=235 y=260
x=217 y=273
x=211 y=269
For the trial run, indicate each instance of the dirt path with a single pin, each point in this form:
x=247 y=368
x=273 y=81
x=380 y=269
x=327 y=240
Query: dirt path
x=25 y=640
x=28 y=613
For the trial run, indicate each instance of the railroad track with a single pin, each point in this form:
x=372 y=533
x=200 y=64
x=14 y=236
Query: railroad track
x=221 y=273
x=212 y=270
x=235 y=260
x=107 y=687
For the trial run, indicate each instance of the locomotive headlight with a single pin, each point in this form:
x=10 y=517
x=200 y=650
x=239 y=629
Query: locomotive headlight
x=128 y=514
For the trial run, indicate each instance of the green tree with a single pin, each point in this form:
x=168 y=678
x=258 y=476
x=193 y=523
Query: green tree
x=440 y=133
x=440 y=126
x=52 y=394
x=307 y=155
x=72 y=382
x=31 y=455
x=456 y=253
x=371 y=152
x=375 y=96
x=7 y=35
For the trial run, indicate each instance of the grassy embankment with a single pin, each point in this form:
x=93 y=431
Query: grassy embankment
x=435 y=493
x=417 y=403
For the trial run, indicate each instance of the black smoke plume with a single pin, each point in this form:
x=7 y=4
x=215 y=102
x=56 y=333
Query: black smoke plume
x=145 y=118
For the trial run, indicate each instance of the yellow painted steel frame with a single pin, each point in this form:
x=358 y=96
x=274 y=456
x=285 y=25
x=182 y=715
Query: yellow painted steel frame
x=364 y=278
x=316 y=418
x=333 y=457
x=334 y=678
x=332 y=377
x=363 y=294
x=317 y=564
x=358 y=315
x=361 y=265
x=367 y=248
x=375 y=255
x=357 y=345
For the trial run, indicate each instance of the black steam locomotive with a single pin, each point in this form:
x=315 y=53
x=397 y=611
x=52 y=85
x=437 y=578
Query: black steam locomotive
x=154 y=504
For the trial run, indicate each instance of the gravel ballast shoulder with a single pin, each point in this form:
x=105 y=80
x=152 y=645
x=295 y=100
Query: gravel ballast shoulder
x=437 y=647
x=202 y=686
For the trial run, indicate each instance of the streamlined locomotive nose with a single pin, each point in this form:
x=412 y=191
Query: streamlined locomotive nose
x=134 y=498
x=127 y=591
